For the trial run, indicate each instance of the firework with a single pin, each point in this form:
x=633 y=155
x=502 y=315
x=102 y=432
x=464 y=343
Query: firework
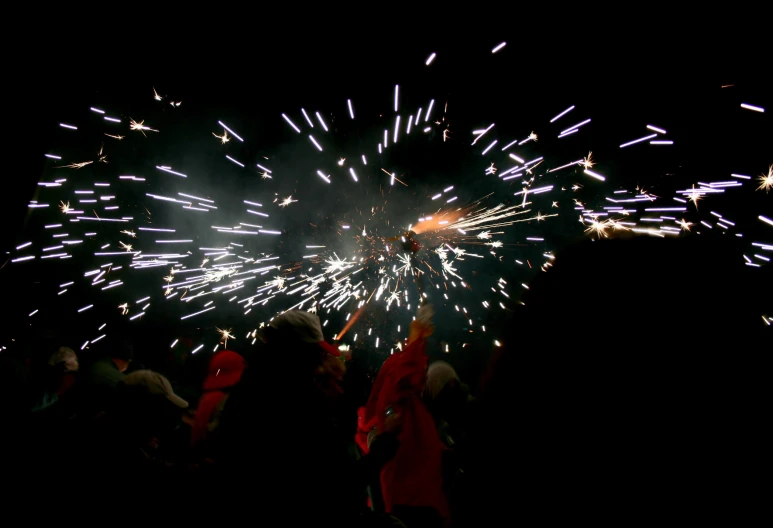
x=357 y=259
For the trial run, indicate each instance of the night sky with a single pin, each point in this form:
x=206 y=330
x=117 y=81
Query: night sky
x=621 y=81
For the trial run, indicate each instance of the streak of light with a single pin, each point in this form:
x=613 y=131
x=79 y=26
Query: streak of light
x=656 y=129
x=645 y=138
x=97 y=110
x=53 y=156
x=559 y=116
x=237 y=162
x=426 y=117
x=430 y=59
x=112 y=119
x=102 y=219
x=85 y=308
x=321 y=121
x=499 y=47
x=234 y=134
x=481 y=133
x=351 y=171
x=397 y=95
x=490 y=147
x=509 y=145
x=766 y=220
x=174 y=343
x=364 y=161
x=170 y=171
x=662 y=142
x=573 y=127
x=322 y=175
x=197 y=349
x=289 y=122
x=24 y=245
x=196 y=197
x=156 y=229
x=351 y=110
x=315 y=142
x=755 y=108
x=197 y=313
x=308 y=120
x=397 y=129
x=63 y=125
x=264 y=168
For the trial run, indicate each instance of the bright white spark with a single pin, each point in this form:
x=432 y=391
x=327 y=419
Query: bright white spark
x=766 y=180
x=224 y=138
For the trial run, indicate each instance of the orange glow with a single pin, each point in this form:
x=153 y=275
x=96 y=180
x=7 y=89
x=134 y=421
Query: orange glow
x=440 y=220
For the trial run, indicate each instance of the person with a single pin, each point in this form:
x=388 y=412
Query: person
x=99 y=382
x=282 y=426
x=411 y=484
x=446 y=398
x=129 y=447
x=225 y=371
x=56 y=380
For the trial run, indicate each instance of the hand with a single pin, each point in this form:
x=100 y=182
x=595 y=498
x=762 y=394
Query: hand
x=425 y=314
x=422 y=326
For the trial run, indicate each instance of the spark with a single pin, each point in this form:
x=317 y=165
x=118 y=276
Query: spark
x=127 y=247
x=599 y=228
x=130 y=233
x=588 y=162
x=156 y=96
x=115 y=136
x=224 y=138
x=685 y=225
x=491 y=170
x=695 y=195
x=78 y=165
x=124 y=308
x=766 y=180
x=134 y=125
x=225 y=335
x=64 y=207
x=287 y=201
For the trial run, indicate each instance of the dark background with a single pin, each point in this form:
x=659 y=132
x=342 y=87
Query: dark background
x=624 y=71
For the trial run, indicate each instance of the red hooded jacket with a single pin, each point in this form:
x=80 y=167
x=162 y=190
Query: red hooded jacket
x=414 y=476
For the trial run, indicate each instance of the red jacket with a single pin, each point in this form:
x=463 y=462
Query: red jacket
x=414 y=476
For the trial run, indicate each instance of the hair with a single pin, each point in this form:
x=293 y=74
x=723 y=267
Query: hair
x=296 y=358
